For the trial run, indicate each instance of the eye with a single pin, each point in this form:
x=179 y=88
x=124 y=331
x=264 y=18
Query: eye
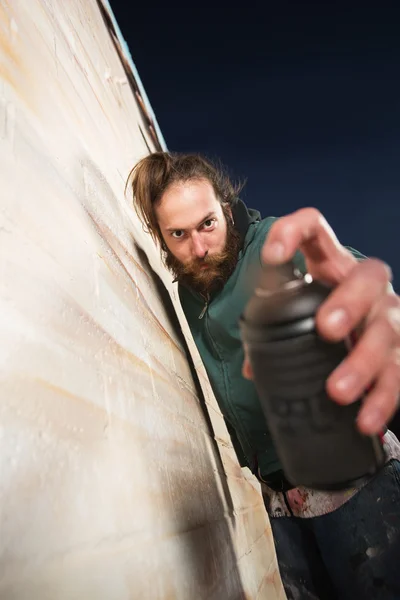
x=209 y=223
x=178 y=234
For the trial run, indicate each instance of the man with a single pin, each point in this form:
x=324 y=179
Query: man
x=329 y=545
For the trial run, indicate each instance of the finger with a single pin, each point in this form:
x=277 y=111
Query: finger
x=354 y=298
x=247 y=370
x=308 y=230
x=364 y=363
x=382 y=402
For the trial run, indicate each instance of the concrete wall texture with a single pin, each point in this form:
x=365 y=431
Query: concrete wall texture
x=117 y=477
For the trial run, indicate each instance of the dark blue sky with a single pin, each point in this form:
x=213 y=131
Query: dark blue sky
x=302 y=99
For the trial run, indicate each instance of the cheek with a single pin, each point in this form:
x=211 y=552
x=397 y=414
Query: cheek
x=180 y=251
x=219 y=241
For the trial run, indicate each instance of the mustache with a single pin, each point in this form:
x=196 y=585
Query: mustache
x=213 y=260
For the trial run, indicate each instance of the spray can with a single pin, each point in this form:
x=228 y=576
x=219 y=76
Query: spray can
x=316 y=439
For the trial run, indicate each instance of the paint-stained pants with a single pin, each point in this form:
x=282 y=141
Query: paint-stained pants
x=350 y=553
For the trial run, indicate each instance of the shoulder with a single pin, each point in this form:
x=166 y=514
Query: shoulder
x=265 y=225
x=258 y=231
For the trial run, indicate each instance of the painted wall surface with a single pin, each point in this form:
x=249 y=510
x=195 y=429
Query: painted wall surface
x=117 y=478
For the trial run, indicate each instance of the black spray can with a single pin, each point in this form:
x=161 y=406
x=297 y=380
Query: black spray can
x=316 y=439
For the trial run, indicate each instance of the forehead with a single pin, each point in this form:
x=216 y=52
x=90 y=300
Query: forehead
x=187 y=204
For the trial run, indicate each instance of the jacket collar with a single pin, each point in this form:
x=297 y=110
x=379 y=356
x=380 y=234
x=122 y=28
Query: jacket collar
x=243 y=217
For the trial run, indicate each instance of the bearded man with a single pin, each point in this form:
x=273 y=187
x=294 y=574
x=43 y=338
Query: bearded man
x=342 y=544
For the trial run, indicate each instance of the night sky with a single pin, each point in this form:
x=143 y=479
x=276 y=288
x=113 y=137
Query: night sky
x=301 y=99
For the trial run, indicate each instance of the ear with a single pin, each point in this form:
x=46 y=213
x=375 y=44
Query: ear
x=228 y=211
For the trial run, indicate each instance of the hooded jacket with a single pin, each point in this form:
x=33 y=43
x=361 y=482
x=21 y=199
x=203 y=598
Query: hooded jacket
x=215 y=329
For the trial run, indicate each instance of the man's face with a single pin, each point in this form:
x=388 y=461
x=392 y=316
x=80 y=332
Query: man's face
x=201 y=243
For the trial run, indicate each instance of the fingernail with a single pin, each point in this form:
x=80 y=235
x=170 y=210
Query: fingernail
x=347 y=382
x=275 y=252
x=371 y=421
x=337 y=318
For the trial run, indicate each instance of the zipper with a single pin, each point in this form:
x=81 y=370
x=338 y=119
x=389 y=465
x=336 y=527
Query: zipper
x=203 y=312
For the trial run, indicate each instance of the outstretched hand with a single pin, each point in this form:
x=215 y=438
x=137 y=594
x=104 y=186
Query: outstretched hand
x=362 y=296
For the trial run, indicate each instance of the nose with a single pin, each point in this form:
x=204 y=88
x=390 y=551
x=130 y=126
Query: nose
x=199 y=249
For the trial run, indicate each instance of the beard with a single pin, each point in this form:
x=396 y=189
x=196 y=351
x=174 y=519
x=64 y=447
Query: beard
x=209 y=274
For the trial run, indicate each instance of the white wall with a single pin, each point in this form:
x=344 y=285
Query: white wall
x=113 y=483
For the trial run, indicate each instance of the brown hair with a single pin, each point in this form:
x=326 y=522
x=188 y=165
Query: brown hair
x=152 y=175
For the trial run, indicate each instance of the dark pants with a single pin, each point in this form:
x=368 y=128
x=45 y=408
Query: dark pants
x=353 y=552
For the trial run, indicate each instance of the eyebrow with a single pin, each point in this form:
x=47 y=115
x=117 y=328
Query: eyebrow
x=208 y=216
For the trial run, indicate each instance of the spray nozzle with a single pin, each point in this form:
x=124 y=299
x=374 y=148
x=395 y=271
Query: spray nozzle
x=274 y=278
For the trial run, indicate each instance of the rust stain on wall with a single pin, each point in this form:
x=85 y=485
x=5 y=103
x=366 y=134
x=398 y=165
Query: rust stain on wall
x=10 y=64
x=118 y=478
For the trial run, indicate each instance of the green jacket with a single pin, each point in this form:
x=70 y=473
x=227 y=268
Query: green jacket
x=215 y=330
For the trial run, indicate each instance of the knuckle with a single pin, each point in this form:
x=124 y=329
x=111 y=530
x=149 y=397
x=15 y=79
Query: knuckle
x=392 y=300
x=313 y=213
x=287 y=226
x=313 y=217
x=282 y=227
x=391 y=379
x=372 y=351
x=364 y=362
x=366 y=366
x=377 y=269
x=396 y=359
x=393 y=319
x=386 y=309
